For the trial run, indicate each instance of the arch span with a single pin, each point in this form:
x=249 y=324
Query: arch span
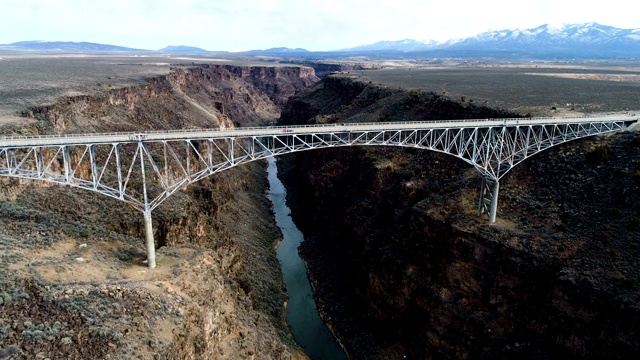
x=144 y=169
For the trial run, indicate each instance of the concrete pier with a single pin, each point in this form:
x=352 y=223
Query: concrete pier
x=494 y=202
x=148 y=234
x=488 y=203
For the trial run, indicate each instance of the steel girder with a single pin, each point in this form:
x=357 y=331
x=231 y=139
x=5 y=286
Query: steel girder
x=492 y=150
x=144 y=172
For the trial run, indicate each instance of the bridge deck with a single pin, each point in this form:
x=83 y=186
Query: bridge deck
x=155 y=135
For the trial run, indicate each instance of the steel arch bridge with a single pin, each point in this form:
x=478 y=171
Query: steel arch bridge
x=144 y=168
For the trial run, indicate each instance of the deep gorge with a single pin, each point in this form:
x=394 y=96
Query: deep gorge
x=401 y=264
x=217 y=292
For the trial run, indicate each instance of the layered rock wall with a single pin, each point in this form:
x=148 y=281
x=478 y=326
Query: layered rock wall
x=403 y=266
x=198 y=97
x=225 y=290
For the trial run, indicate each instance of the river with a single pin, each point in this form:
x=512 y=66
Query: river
x=308 y=329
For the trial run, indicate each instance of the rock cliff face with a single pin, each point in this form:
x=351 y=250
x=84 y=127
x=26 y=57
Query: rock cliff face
x=403 y=266
x=77 y=287
x=265 y=79
x=200 y=97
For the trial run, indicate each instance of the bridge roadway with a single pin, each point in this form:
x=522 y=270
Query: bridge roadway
x=193 y=134
x=145 y=168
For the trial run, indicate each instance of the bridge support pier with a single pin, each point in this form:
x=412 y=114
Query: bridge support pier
x=148 y=234
x=494 y=202
x=489 y=198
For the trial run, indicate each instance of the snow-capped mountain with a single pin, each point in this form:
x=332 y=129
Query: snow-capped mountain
x=400 y=45
x=568 y=36
x=587 y=40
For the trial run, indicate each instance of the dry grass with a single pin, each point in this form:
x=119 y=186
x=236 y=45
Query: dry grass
x=37 y=80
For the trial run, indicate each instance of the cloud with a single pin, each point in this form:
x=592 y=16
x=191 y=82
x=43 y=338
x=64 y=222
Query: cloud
x=259 y=24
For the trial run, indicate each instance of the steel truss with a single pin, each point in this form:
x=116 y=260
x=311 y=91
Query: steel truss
x=144 y=170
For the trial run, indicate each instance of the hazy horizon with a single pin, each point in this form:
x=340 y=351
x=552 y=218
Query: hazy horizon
x=262 y=24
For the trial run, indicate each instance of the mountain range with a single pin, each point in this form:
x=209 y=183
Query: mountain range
x=582 y=41
x=577 y=40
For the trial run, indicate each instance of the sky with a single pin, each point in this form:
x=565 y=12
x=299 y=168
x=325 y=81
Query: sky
x=319 y=25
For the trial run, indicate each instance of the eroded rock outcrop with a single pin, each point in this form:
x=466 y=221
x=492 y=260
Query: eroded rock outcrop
x=197 y=97
x=217 y=291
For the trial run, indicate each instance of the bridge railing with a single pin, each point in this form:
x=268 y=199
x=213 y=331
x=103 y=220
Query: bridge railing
x=140 y=135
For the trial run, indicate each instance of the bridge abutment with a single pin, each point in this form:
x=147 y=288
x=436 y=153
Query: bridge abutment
x=148 y=234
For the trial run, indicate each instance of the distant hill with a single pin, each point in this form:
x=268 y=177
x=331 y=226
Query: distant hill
x=400 y=45
x=278 y=51
x=183 y=49
x=65 y=46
